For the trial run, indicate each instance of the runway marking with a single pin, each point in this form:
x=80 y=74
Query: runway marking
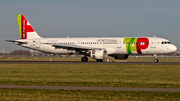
x=91 y=88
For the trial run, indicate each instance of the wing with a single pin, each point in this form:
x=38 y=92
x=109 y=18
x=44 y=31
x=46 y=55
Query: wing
x=16 y=42
x=75 y=47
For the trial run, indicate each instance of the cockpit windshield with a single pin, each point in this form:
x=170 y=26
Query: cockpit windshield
x=166 y=42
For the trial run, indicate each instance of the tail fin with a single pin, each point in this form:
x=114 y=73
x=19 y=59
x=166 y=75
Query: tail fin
x=25 y=29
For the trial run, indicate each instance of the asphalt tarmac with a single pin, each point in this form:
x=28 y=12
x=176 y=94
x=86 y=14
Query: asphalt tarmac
x=91 y=88
x=77 y=62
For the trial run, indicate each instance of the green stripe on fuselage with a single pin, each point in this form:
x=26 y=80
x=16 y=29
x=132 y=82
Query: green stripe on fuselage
x=130 y=44
x=19 y=23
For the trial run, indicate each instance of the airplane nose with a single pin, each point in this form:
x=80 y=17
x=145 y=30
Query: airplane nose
x=173 y=48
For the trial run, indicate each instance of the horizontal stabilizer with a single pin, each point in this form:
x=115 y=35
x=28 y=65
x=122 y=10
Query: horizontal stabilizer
x=16 y=42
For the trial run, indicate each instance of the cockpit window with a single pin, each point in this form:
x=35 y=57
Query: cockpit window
x=166 y=42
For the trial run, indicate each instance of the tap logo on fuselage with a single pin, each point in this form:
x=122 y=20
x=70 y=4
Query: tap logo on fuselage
x=135 y=45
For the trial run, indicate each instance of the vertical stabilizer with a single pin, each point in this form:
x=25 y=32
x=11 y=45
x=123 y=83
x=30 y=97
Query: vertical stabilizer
x=25 y=28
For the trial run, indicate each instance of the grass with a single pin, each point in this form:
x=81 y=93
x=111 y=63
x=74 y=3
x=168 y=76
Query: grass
x=163 y=76
x=80 y=95
x=140 y=59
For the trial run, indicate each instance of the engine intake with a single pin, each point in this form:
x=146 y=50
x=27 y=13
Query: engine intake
x=98 y=54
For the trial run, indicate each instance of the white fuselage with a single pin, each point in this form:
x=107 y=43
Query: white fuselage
x=113 y=45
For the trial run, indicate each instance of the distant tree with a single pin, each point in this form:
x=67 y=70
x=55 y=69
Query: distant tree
x=20 y=52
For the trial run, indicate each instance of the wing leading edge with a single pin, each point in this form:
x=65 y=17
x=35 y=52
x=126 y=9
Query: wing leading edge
x=75 y=47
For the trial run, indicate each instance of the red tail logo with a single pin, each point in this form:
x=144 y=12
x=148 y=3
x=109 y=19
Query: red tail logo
x=26 y=27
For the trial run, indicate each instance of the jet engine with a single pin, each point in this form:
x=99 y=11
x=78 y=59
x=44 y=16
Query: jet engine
x=98 y=54
x=120 y=56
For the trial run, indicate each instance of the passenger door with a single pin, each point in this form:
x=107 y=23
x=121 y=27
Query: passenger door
x=153 y=43
x=119 y=44
x=78 y=43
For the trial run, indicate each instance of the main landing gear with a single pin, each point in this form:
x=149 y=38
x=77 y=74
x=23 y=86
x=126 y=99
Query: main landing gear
x=84 y=59
x=156 y=60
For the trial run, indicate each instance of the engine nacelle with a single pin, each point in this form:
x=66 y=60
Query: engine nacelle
x=98 y=54
x=120 y=56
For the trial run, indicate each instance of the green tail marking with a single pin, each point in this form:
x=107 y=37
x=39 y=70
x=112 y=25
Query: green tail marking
x=19 y=23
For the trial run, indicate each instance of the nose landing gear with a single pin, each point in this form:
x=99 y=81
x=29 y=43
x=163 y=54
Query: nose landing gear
x=156 y=60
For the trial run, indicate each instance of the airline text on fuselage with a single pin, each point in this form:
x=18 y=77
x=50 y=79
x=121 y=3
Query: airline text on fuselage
x=107 y=41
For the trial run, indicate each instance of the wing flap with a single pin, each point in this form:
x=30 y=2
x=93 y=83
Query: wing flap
x=73 y=47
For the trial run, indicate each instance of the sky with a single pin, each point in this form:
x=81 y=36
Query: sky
x=91 y=18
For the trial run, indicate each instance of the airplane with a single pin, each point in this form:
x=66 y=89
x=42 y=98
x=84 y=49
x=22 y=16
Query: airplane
x=95 y=47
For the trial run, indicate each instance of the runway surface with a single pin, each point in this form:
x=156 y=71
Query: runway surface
x=91 y=88
x=77 y=62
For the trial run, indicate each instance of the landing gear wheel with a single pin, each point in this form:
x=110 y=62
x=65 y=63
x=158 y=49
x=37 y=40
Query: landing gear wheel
x=84 y=59
x=156 y=60
x=99 y=60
